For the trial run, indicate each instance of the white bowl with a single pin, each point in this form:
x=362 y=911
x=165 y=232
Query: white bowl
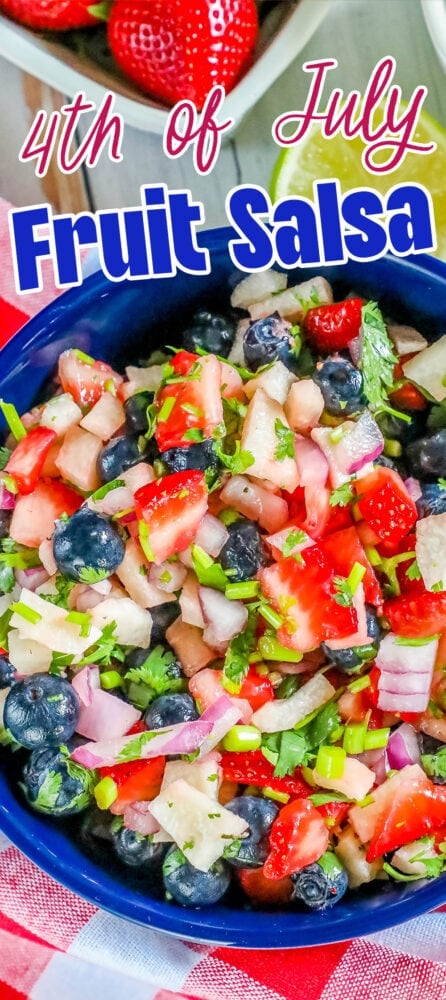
x=285 y=31
x=434 y=12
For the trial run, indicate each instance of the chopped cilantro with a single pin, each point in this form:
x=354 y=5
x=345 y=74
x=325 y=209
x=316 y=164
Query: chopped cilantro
x=238 y=462
x=5 y=455
x=133 y=750
x=7 y=579
x=292 y=751
x=105 y=650
x=437 y=587
x=377 y=356
x=90 y=575
x=173 y=861
x=158 y=672
x=435 y=763
x=323 y=798
x=232 y=849
x=343 y=595
x=49 y=791
x=193 y=434
x=413 y=572
x=236 y=663
x=188 y=845
x=63 y=588
x=294 y=537
x=342 y=496
x=107 y=488
x=285 y=437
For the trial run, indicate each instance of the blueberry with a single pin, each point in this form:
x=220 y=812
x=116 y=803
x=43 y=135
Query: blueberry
x=402 y=430
x=392 y=463
x=243 y=552
x=211 y=332
x=54 y=785
x=95 y=831
x=87 y=547
x=163 y=616
x=432 y=500
x=5 y=521
x=7 y=671
x=169 y=709
x=135 y=409
x=122 y=453
x=266 y=340
x=135 y=850
x=341 y=385
x=355 y=656
x=260 y=815
x=197 y=456
x=41 y=711
x=191 y=887
x=426 y=457
x=321 y=884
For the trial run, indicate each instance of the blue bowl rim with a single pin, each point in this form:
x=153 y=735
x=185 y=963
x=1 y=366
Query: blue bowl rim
x=200 y=925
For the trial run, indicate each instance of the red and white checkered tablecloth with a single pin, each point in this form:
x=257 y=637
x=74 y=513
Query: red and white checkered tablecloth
x=56 y=946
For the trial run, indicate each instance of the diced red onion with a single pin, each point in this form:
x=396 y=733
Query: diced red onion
x=103 y=587
x=376 y=760
x=31 y=578
x=211 y=535
x=106 y=717
x=138 y=817
x=403 y=747
x=401 y=659
x=413 y=488
x=7 y=499
x=390 y=702
x=116 y=500
x=85 y=682
x=86 y=598
x=137 y=476
x=184 y=738
x=404 y=683
x=168 y=577
x=311 y=462
x=360 y=443
x=223 y=618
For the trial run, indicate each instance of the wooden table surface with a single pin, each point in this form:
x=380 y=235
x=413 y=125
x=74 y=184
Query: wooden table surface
x=356 y=32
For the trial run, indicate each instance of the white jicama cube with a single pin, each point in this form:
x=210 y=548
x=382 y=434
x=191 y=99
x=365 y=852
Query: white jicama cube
x=403 y=859
x=255 y=502
x=201 y=827
x=276 y=382
x=133 y=623
x=191 y=612
x=105 y=418
x=304 y=405
x=256 y=287
x=355 y=782
x=407 y=340
x=167 y=577
x=283 y=713
x=61 y=413
x=141 y=378
x=52 y=628
x=263 y=437
x=430 y=549
x=428 y=369
x=351 y=852
x=294 y=303
x=236 y=354
x=78 y=457
x=27 y=655
x=134 y=575
x=202 y=774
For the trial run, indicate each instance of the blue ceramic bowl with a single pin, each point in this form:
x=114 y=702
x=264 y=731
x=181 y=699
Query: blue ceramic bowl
x=118 y=321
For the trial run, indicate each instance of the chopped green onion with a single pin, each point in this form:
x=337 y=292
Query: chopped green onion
x=271 y=793
x=330 y=762
x=143 y=531
x=337 y=734
x=354 y=738
x=203 y=560
x=355 y=576
x=13 y=420
x=109 y=386
x=337 y=434
x=107 y=488
x=166 y=409
x=111 y=679
x=26 y=612
x=272 y=649
x=194 y=410
x=241 y=738
x=86 y=358
x=9 y=483
x=105 y=793
x=375 y=739
x=271 y=616
x=365 y=802
x=360 y=684
x=243 y=590
x=373 y=555
x=82 y=619
x=229 y=516
x=392 y=448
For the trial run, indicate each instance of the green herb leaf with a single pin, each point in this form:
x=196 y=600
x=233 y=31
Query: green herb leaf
x=295 y=537
x=401 y=640
x=173 y=861
x=193 y=434
x=5 y=455
x=48 y=791
x=413 y=572
x=343 y=595
x=105 y=650
x=90 y=575
x=437 y=587
x=64 y=588
x=107 y=488
x=342 y=496
x=236 y=663
x=285 y=437
x=377 y=356
x=238 y=462
x=134 y=749
x=293 y=751
x=157 y=673
x=435 y=764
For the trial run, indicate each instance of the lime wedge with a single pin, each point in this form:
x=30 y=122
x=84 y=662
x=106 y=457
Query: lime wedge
x=316 y=158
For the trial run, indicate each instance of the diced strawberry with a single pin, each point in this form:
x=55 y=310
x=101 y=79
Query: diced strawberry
x=343 y=549
x=417 y=615
x=252 y=768
x=299 y=836
x=304 y=594
x=85 y=378
x=407 y=397
x=262 y=890
x=256 y=689
x=28 y=457
x=385 y=504
x=189 y=409
x=332 y=327
x=416 y=810
x=206 y=687
x=334 y=813
x=137 y=781
x=34 y=515
x=171 y=508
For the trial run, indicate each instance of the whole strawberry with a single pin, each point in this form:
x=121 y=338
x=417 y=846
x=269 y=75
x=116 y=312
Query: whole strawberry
x=176 y=49
x=50 y=15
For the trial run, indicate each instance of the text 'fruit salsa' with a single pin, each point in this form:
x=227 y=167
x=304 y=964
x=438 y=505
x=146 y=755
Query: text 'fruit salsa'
x=223 y=609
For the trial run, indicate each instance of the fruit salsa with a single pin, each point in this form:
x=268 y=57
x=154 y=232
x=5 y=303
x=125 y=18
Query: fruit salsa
x=223 y=602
